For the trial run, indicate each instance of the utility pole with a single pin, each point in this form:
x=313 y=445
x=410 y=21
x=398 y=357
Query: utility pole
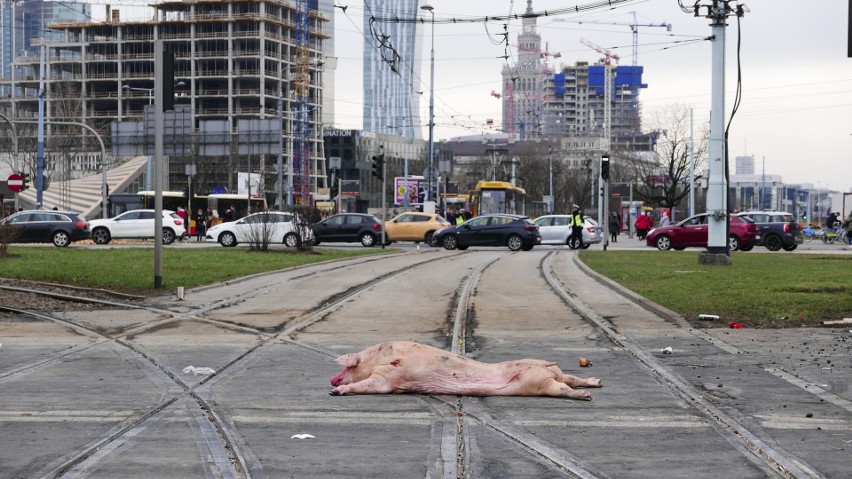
x=718 y=252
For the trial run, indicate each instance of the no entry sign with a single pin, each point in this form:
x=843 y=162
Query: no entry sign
x=15 y=182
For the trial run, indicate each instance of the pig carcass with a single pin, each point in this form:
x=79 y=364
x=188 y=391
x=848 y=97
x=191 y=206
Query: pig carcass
x=407 y=367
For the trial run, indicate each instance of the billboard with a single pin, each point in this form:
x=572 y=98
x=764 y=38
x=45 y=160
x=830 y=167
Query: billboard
x=414 y=185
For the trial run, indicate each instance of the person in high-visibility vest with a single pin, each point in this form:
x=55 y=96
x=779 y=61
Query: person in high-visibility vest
x=576 y=223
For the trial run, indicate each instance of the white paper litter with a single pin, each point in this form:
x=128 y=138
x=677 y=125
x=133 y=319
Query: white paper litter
x=196 y=371
x=302 y=436
x=667 y=350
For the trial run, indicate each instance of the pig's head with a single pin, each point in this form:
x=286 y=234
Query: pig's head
x=353 y=371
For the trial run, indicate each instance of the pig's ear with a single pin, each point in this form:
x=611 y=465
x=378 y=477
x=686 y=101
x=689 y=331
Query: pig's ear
x=347 y=360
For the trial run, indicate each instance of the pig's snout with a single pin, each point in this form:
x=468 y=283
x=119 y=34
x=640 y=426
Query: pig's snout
x=336 y=380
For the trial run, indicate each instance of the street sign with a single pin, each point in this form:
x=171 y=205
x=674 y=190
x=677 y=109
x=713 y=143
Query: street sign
x=15 y=182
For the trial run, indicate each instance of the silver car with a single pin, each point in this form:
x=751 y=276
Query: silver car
x=137 y=224
x=555 y=230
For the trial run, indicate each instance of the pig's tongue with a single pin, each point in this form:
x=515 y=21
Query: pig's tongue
x=335 y=381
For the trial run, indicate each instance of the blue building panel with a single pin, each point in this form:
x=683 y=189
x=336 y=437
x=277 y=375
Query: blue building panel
x=624 y=76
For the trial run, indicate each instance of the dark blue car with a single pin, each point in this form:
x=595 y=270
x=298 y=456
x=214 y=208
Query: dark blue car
x=514 y=231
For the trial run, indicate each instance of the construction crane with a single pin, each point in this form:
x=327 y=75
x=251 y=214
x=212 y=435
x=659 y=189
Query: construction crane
x=634 y=27
x=301 y=136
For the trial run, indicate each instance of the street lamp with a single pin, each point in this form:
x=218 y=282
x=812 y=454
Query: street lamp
x=429 y=8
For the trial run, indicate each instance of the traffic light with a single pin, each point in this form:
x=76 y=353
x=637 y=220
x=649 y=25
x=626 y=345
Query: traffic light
x=605 y=167
x=378 y=164
x=26 y=177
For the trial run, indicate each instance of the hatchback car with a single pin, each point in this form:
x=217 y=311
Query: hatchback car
x=515 y=231
x=554 y=229
x=262 y=227
x=137 y=224
x=414 y=226
x=39 y=226
x=692 y=232
x=778 y=229
x=348 y=228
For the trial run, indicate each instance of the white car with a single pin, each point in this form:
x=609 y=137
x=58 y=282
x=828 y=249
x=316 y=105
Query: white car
x=554 y=229
x=267 y=227
x=137 y=224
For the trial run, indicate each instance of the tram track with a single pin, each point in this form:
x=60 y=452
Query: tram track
x=228 y=448
x=234 y=456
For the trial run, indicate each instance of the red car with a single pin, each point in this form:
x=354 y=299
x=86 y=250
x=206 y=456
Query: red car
x=692 y=232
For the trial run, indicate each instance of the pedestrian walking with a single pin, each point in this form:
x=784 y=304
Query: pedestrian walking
x=200 y=225
x=614 y=226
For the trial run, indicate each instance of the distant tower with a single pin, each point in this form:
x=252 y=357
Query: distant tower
x=392 y=69
x=745 y=165
x=329 y=63
x=523 y=84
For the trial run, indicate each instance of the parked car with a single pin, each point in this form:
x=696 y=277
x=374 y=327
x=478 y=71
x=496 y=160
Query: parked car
x=40 y=226
x=137 y=224
x=778 y=229
x=692 y=232
x=348 y=228
x=515 y=231
x=554 y=229
x=414 y=226
x=270 y=227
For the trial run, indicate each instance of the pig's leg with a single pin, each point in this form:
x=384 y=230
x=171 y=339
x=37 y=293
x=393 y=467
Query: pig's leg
x=555 y=388
x=576 y=382
x=371 y=385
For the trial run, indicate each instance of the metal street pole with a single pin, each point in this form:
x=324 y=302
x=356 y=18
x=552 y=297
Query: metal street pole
x=158 y=164
x=429 y=8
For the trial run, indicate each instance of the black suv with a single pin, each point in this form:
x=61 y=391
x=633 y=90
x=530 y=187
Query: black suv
x=348 y=227
x=778 y=229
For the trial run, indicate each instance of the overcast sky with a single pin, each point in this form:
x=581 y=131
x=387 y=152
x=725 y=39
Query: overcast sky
x=797 y=79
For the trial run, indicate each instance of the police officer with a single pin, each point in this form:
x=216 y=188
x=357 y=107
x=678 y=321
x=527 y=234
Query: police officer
x=576 y=223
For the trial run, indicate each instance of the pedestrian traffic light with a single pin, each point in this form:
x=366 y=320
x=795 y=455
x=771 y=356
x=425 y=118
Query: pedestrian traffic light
x=605 y=167
x=378 y=163
x=26 y=177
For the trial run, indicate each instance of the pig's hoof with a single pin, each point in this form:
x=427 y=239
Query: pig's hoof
x=594 y=383
x=584 y=396
x=335 y=392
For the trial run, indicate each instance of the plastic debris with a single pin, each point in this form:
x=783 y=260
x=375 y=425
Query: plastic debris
x=666 y=350
x=302 y=436
x=196 y=371
x=735 y=325
x=709 y=317
x=585 y=363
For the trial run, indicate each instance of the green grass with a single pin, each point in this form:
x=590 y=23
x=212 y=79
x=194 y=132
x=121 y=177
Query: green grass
x=131 y=270
x=759 y=290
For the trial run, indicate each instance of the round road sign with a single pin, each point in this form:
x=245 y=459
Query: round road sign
x=15 y=182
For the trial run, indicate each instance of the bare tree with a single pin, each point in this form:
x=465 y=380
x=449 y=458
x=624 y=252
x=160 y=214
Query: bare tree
x=663 y=179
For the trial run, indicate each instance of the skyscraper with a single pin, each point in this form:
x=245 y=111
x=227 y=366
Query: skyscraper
x=523 y=84
x=392 y=82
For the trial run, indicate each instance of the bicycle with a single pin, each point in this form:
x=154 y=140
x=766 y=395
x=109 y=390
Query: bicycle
x=808 y=234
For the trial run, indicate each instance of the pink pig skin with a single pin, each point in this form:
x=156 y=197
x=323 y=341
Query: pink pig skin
x=407 y=367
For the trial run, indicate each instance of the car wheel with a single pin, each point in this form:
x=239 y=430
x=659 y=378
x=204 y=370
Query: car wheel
x=790 y=247
x=450 y=242
x=747 y=248
x=227 y=239
x=101 y=236
x=291 y=240
x=428 y=238
x=773 y=242
x=168 y=236
x=586 y=245
x=573 y=243
x=61 y=239
x=664 y=243
x=734 y=243
x=514 y=242
x=527 y=248
x=368 y=240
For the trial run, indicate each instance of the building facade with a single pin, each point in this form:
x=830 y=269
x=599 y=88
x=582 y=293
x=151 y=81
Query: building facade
x=523 y=90
x=392 y=81
x=235 y=70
